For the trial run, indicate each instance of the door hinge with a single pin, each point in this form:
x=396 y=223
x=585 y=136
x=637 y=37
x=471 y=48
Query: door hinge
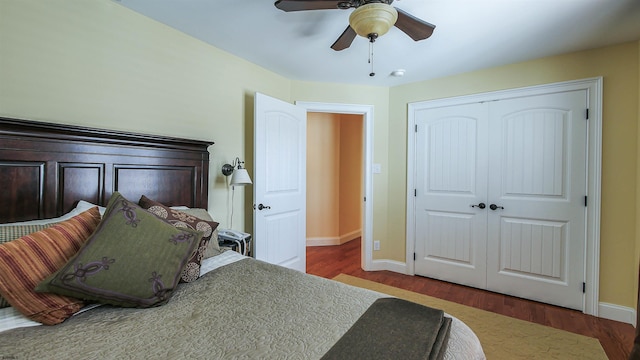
x=416 y=128
x=587 y=114
x=415 y=192
x=365 y=199
x=584 y=287
x=414 y=256
x=585 y=201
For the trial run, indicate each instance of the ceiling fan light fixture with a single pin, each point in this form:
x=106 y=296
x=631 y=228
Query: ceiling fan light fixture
x=373 y=18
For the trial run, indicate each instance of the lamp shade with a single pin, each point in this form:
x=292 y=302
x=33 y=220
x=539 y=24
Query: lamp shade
x=373 y=18
x=240 y=177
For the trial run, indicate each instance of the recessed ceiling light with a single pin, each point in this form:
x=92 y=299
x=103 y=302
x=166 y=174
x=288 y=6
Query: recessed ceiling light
x=397 y=73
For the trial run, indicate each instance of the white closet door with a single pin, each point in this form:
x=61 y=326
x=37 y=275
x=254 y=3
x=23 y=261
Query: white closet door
x=525 y=160
x=451 y=176
x=537 y=177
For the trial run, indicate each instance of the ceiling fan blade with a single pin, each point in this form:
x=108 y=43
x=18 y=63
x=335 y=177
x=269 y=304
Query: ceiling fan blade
x=300 y=5
x=416 y=29
x=345 y=40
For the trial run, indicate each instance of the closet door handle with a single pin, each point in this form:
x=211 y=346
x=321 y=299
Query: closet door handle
x=481 y=205
x=494 y=207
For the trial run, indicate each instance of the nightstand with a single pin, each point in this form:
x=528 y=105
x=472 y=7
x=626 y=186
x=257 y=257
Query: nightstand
x=238 y=246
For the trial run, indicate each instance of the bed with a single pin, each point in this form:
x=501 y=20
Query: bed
x=237 y=307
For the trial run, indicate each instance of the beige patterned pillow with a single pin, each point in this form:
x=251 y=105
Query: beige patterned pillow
x=181 y=219
x=212 y=247
x=26 y=261
x=12 y=232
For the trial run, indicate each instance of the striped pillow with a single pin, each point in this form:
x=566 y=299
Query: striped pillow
x=26 y=261
x=12 y=232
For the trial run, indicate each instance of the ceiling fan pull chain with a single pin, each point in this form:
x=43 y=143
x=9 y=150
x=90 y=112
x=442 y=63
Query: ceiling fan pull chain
x=371 y=40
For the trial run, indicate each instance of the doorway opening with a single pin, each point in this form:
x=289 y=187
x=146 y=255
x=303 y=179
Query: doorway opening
x=362 y=114
x=334 y=178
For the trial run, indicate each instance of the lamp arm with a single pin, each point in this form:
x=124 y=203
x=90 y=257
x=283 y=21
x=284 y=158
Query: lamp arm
x=238 y=164
x=227 y=169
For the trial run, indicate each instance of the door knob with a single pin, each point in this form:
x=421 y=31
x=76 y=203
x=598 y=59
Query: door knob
x=494 y=207
x=260 y=207
x=481 y=206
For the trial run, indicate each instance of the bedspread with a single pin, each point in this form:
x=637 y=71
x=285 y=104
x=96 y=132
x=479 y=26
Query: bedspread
x=244 y=310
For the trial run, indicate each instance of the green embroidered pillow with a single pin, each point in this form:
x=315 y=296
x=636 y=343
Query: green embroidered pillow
x=133 y=259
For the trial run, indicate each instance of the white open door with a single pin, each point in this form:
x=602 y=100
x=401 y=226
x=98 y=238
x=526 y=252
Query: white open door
x=279 y=216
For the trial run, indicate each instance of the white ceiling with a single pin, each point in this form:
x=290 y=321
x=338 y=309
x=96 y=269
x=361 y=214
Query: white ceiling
x=469 y=35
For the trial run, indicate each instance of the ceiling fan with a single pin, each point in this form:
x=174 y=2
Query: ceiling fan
x=370 y=19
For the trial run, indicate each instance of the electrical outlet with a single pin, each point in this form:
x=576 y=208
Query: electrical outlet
x=376 y=245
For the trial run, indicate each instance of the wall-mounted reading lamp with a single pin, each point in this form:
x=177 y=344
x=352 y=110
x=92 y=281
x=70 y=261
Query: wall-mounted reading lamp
x=239 y=175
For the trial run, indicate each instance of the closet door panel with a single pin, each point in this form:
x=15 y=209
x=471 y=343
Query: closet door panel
x=538 y=183
x=451 y=176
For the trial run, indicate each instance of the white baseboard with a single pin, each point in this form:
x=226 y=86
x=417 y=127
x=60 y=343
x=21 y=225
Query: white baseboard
x=390 y=265
x=618 y=313
x=605 y=310
x=333 y=240
x=323 y=241
x=344 y=238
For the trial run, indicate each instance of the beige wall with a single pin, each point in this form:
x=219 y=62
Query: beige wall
x=334 y=177
x=351 y=174
x=323 y=174
x=98 y=64
x=619 y=65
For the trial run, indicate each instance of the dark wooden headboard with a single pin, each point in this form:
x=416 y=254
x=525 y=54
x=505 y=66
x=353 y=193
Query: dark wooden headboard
x=45 y=169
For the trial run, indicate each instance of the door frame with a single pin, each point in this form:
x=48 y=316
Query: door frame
x=366 y=111
x=594 y=165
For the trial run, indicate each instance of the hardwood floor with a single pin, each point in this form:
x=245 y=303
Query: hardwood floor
x=616 y=337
